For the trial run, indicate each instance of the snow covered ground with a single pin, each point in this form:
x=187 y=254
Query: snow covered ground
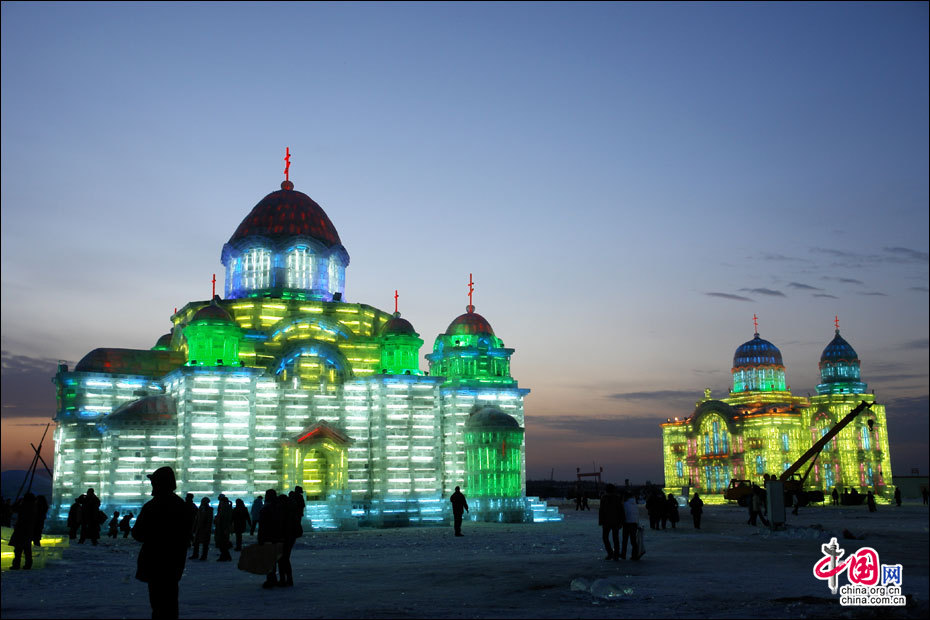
x=727 y=569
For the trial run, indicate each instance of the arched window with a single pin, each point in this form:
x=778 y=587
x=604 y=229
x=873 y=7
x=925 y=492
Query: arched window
x=714 y=435
x=300 y=268
x=256 y=269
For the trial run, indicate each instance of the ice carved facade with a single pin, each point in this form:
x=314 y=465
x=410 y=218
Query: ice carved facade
x=762 y=428
x=284 y=383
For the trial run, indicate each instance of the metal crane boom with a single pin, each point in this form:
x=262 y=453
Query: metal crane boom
x=818 y=446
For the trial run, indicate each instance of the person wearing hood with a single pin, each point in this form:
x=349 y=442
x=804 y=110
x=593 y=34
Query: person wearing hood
x=163 y=528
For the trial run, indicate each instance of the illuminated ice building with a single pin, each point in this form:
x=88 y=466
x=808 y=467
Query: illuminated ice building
x=762 y=428
x=283 y=382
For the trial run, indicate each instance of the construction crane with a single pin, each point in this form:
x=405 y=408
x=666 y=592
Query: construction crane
x=794 y=482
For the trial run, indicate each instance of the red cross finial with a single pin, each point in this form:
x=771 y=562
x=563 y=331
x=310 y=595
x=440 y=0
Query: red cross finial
x=755 y=323
x=471 y=289
x=214 y=286
x=836 y=322
x=395 y=301
x=287 y=163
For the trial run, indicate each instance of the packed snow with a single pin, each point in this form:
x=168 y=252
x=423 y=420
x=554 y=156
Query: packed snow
x=549 y=570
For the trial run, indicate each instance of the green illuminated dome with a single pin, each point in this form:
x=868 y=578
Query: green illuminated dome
x=839 y=369
x=490 y=417
x=212 y=312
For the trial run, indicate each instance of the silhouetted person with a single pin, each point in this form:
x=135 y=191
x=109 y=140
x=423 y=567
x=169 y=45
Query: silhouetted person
x=630 y=525
x=241 y=521
x=297 y=495
x=223 y=528
x=192 y=514
x=870 y=500
x=163 y=529
x=925 y=494
x=459 y=506
x=795 y=503
x=897 y=495
x=654 y=508
x=203 y=529
x=584 y=502
x=836 y=496
x=41 y=514
x=697 y=509
x=291 y=530
x=23 y=530
x=270 y=530
x=610 y=517
x=255 y=513
x=671 y=506
x=114 y=525
x=124 y=524
x=90 y=518
x=757 y=501
x=74 y=517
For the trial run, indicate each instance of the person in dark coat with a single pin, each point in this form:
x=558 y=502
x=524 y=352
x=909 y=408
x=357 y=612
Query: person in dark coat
x=836 y=496
x=23 y=531
x=610 y=518
x=697 y=508
x=291 y=530
x=114 y=525
x=124 y=524
x=163 y=529
x=223 y=528
x=270 y=530
x=255 y=513
x=241 y=520
x=74 y=517
x=203 y=528
x=671 y=508
x=870 y=500
x=897 y=495
x=90 y=518
x=41 y=514
x=191 y=513
x=459 y=506
x=654 y=508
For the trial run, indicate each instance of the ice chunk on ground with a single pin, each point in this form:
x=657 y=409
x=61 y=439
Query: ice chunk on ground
x=607 y=589
x=580 y=585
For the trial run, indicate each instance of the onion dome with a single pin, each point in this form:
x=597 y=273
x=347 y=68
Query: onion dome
x=130 y=362
x=469 y=323
x=838 y=351
x=839 y=369
x=490 y=418
x=398 y=326
x=757 y=352
x=212 y=312
x=758 y=366
x=287 y=213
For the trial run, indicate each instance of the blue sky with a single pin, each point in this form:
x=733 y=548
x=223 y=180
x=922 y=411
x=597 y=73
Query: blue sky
x=628 y=183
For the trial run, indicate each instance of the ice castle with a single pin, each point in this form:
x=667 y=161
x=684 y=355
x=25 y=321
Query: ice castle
x=282 y=382
x=762 y=428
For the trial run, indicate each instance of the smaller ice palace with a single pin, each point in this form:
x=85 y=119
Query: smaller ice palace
x=283 y=382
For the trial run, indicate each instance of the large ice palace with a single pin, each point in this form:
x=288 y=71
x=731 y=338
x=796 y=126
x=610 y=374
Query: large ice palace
x=282 y=382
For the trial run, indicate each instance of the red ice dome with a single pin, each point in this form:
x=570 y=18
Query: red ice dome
x=287 y=213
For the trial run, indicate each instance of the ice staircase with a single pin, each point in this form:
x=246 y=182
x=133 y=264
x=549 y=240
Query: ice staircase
x=333 y=514
x=542 y=512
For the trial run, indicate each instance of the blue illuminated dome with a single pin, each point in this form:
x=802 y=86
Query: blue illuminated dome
x=758 y=367
x=757 y=352
x=839 y=369
x=839 y=351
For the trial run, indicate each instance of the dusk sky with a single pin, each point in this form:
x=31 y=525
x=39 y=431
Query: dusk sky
x=628 y=183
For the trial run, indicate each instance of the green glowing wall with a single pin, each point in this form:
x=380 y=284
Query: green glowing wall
x=493 y=462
